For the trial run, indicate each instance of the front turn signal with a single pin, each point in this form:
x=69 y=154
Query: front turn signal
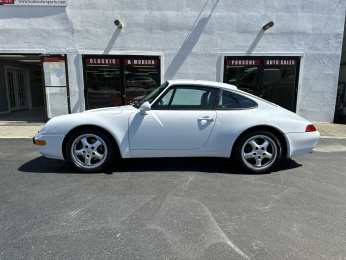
x=310 y=128
x=40 y=142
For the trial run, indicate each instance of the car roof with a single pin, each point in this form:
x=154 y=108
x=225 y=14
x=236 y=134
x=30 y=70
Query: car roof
x=202 y=82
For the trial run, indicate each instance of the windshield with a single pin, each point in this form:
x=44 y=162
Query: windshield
x=151 y=97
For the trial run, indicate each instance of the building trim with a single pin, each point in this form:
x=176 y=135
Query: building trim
x=27 y=52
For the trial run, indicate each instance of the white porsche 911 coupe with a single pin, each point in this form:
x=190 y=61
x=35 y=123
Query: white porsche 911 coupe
x=181 y=118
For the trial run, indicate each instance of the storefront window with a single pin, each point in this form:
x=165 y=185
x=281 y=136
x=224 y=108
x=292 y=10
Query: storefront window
x=279 y=78
x=272 y=78
x=243 y=74
x=119 y=80
x=103 y=82
x=142 y=78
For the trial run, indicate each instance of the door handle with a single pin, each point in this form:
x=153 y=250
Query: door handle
x=209 y=119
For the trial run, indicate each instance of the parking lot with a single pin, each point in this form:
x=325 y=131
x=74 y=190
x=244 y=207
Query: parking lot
x=180 y=208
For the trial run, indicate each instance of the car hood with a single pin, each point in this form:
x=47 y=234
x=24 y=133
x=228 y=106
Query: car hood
x=110 y=109
x=60 y=125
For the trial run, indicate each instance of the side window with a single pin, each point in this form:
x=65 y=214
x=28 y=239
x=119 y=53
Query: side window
x=230 y=100
x=193 y=98
x=162 y=103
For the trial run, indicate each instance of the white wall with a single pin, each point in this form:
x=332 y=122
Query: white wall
x=192 y=34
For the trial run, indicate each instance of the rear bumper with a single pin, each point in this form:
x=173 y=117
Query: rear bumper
x=53 y=147
x=301 y=143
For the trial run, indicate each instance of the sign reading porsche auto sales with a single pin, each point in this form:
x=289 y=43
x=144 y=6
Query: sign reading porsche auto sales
x=140 y=62
x=35 y=2
x=280 y=62
x=242 y=62
x=102 y=61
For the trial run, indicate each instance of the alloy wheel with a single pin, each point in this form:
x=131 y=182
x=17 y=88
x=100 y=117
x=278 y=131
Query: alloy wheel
x=259 y=152
x=89 y=151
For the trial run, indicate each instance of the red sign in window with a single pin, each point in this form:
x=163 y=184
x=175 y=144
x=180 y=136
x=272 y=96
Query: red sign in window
x=53 y=59
x=140 y=62
x=102 y=61
x=242 y=62
x=280 y=62
x=6 y=1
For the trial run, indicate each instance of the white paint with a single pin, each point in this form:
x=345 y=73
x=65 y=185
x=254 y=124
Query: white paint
x=191 y=34
x=157 y=119
x=140 y=136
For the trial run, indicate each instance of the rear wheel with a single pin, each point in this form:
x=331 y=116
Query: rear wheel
x=258 y=152
x=89 y=150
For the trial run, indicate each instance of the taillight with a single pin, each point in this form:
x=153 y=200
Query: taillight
x=310 y=128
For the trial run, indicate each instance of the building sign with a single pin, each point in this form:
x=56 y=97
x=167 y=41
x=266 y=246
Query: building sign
x=280 y=62
x=53 y=59
x=35 y=2
x=140 y=62
x=102 y=61
x=242 y=62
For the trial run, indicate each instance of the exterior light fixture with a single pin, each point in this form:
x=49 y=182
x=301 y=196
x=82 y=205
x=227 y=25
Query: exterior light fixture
x=118 y=24
x=268 y=25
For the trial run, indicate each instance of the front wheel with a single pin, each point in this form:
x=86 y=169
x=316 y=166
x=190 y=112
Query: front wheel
x=258 y=152
x=89 y=150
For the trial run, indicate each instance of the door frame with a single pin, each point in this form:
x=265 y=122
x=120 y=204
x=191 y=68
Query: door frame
x=18 y=52
x=28 y=87
x=42 y=56
x=296 y=104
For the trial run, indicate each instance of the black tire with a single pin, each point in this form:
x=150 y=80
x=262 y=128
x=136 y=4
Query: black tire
x=247 y=163
x=76 y=161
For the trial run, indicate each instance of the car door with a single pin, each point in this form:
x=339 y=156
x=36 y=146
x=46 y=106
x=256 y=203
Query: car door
x=182 y=119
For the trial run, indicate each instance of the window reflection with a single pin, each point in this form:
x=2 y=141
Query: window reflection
x=243 y=74
x=272 y=78
x=141 y=78
x=103 y=84
x=279 y=85
x=104 y=76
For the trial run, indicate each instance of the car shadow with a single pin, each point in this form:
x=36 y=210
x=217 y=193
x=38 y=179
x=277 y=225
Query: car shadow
x=205 y=165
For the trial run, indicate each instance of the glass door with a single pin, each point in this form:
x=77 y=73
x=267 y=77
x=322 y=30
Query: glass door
x=56 y=89
x=18 y=91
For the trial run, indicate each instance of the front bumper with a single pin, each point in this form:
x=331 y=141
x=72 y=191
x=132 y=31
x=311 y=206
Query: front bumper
x=301 y=143
x=52 y=148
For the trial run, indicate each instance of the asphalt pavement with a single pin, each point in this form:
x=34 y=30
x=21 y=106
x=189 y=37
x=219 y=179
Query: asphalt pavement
x=180 y=208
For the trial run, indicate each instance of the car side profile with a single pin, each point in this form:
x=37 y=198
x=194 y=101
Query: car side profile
x=181 y=118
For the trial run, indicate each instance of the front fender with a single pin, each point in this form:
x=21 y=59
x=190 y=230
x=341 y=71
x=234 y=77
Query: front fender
x=115 y=124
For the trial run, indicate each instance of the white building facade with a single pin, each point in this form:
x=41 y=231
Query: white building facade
x=69 y=57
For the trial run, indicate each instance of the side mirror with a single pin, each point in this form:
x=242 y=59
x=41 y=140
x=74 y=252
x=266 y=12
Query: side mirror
x=144 y=108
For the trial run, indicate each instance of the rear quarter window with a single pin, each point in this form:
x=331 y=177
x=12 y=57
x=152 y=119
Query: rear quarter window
x=230 y=100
